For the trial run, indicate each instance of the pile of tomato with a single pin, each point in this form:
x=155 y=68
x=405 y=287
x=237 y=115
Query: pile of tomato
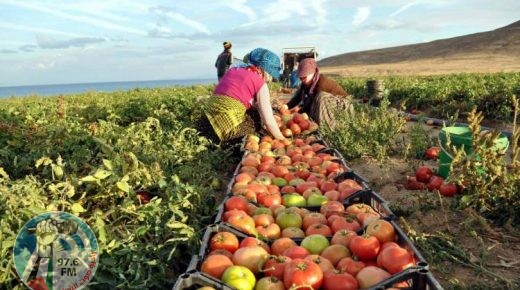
x=426 y=179
x=292 y=219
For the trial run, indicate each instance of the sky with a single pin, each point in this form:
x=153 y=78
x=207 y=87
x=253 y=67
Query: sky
x=82 y=41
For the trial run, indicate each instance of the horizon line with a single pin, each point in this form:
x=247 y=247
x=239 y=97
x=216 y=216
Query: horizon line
x=105 y=82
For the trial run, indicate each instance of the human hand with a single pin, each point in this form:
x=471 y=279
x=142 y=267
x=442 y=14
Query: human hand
x=46 y=233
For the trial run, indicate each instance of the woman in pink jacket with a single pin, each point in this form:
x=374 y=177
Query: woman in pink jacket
x=241 y=102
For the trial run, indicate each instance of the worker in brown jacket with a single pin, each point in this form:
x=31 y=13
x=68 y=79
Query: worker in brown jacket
x=318 y=95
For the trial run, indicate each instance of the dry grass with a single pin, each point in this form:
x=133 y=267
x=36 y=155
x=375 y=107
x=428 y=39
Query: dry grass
x=476 y=63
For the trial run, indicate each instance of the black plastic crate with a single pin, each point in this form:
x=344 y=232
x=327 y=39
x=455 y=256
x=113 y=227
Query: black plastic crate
x=404 y=241
x=206 y=238
x=370 y=197
x=352 y=175
x=235 y=173
x=410 y=279
x=338 y=158
x=194 y=280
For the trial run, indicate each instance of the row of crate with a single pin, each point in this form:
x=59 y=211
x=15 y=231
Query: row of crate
x=417 y=277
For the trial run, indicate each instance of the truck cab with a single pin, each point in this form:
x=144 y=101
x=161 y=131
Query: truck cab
x=291 y=57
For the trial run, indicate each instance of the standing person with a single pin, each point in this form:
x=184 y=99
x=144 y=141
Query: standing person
x=224 y=60
x=294 y=79
x=241 y=101
x=319 y=96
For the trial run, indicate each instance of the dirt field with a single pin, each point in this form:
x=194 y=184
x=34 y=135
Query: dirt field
x=496 y=250
x=435 y=66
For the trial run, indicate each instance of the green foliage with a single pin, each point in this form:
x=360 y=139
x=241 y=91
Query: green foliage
x=89 y=154
x=368 y=132
x=418 y=141
x=445 y=94
x=492 y=187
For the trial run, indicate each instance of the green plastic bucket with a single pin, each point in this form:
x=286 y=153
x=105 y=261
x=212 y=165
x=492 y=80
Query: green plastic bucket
x=461 y=137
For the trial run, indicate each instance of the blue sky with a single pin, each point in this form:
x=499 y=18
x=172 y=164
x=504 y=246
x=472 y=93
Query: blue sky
x=53 y=42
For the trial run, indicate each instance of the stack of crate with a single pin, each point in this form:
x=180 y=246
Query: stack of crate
x=415 y=277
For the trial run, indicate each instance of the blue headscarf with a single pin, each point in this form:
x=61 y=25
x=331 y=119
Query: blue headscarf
x=266 y=60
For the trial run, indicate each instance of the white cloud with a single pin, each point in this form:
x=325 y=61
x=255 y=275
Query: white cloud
x=177 y=17
x=402 y=9
x=240 y=6
x=44 y=65
x=362 y=14
x=77 y=18
x=47 y=42
x=188 y=22
x=319 y=11
x=34 y=29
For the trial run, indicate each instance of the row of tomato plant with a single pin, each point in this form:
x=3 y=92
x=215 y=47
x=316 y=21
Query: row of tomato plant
x=130 y=164
x=445 y=95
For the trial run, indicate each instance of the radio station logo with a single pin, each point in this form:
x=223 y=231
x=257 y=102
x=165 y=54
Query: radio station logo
x=56 y=250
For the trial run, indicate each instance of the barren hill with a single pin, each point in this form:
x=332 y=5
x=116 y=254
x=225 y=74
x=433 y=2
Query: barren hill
x=491 y=51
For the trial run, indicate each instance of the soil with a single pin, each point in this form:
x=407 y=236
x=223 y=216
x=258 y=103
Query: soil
x=496 y=249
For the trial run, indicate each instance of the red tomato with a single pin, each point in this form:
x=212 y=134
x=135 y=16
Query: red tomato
x=324 y=264
x=448 y=189
x=268 y=199
x=221 y=252
x=270 y=232
x=334 y=280
x=143 y=196
x=348 y=223
x=224 y=240
x=350 y=265
x=423 y=174
x=215 y=265
x=319 y=229
x=275 y=266
x=335 y=252
x=356 y=208
x=332 y=207
x=236 y=202
x=232 y=212
x=268 y=283
x=243 y=222
x=413 y=184
x=300 y=272
x=384 y=231
x=313 y=218
x=342 y=237
x=435 y=182
x=370 y=276
x=296 y=252
x=365 y=248
x=395 y=259
x=250 y=241
x=250 y=257
x=433 y=153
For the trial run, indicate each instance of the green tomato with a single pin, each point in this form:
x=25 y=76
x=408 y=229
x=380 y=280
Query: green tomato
x=288 y=219
x=294 y=199
x=315 y=244
x=316 y=199
x=239 y=277
x=279 y=181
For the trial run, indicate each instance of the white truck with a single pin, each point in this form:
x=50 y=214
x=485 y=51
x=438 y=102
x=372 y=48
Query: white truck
x=291 y=56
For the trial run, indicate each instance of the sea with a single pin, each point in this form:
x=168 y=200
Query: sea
x=65 y=89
